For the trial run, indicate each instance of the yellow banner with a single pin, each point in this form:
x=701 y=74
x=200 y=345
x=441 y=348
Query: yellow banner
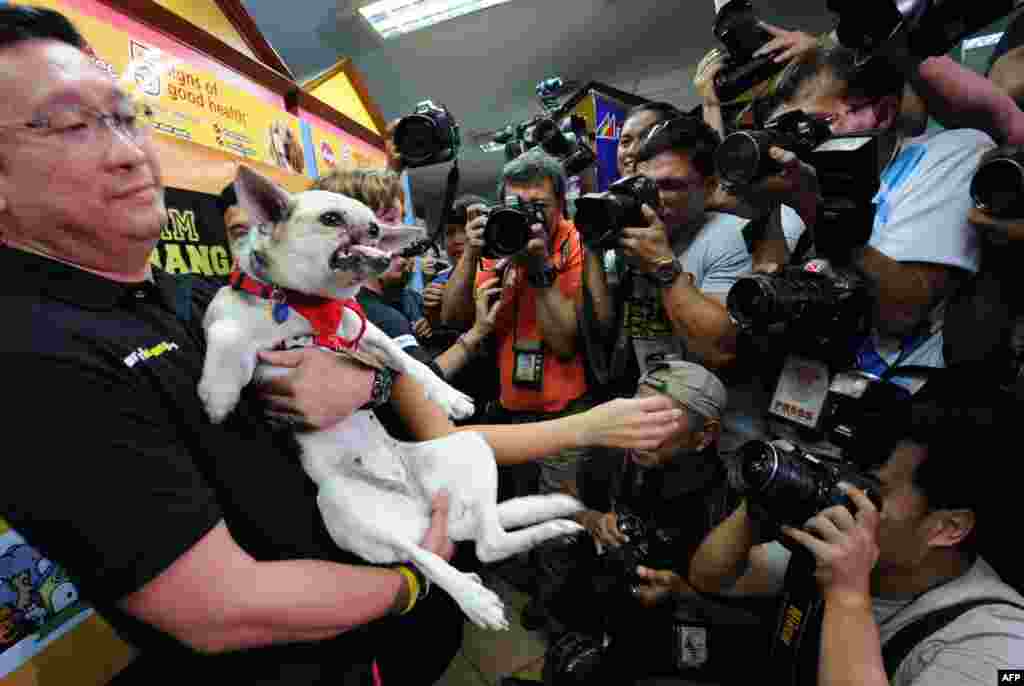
x=191 y=98
x=336 y=149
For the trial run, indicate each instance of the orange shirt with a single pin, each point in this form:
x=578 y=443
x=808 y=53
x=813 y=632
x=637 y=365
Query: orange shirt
x=564 y=381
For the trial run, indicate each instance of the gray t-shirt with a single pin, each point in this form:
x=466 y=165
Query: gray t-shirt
x=716 y=256
x=969 y=649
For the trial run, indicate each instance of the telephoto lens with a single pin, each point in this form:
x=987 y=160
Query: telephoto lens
x=743 y=156
x=739 y=30
x=788 y=485
x=998 y=185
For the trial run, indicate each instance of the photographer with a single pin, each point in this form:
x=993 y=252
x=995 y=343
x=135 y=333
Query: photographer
x=921 y=247
x=541 y=369
x=882 y=568
x=649 y=508
x=662 y=290
x=464 y=209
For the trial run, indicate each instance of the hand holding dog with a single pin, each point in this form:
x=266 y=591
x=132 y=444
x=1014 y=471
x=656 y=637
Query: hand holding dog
x=640 y=423
x=436 y=539
x=309 y=396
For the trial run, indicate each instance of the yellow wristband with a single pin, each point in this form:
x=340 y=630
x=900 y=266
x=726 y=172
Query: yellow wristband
x=414 y=587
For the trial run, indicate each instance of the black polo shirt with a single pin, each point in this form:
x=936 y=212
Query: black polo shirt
x=113 y=469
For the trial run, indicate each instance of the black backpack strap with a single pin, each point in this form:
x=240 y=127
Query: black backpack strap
x=899 y=646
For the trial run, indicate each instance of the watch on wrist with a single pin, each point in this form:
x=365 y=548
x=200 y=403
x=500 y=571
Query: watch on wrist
x=545 y=278
x=381 y=393
x=667 y=271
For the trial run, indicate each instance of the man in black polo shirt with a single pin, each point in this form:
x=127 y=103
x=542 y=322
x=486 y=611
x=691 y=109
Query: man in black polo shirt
x=201 y=544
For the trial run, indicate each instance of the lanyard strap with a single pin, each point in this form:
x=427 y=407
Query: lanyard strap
x=871 y=361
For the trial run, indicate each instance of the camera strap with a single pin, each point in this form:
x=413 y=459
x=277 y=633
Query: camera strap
x=793 y=658
x=451 y=188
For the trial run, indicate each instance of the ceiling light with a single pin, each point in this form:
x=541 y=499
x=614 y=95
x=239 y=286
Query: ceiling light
x=392 y=18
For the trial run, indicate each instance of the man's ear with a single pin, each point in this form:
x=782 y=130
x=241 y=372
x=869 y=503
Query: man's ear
x=950 y=527
x=397 y=237
x=263 y=200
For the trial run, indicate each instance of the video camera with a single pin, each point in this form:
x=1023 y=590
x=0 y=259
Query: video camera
x=430 y=135
x=739 y=30
x=922 y=28
x=998 y=185
x=508 y=228
x=567 y=142
x=601 y=217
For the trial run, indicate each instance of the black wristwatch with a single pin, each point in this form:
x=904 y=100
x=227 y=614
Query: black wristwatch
x=382 y=380
x=666 y=273
x=545 y=278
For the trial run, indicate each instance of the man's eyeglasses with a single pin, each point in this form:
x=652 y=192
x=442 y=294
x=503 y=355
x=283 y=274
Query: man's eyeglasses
x=79 y=125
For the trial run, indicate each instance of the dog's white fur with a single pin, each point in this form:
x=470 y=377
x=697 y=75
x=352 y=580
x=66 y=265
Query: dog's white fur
x=374 y=492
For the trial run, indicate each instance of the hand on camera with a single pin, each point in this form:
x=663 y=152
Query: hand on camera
x=796 y=185
x=845 y=547
x=659 y=585
x=604 y=528
x=433 y=296
x=537 y=249
x=475 y=237
x=997 y=230
x=429 y=268
x=704 y=80
x=787 y=44
x=645 y=248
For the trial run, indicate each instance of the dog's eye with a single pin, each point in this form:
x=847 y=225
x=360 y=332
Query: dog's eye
x=374 y=231
x=332 y=219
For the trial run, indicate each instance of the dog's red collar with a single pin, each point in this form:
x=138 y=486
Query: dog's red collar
x=323 y=314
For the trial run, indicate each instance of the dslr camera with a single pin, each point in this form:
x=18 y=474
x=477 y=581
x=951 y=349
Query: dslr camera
x=428 y=136
x=508 y=227
x=998 y=185
x=785 y=485
x=742 y=158
x=739 y=30
x=618 y=564
x=601 y=217
x=568 y=142
x=922 y=28
x=814 y=307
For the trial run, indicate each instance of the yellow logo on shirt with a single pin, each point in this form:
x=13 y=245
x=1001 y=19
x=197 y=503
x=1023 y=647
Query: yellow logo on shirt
x=142 y=354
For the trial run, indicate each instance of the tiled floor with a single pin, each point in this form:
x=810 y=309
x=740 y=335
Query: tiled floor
x=487 y=656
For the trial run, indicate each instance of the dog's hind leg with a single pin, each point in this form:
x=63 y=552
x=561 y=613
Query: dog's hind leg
x=493 y=543
x=533 y=509
x=482 y=605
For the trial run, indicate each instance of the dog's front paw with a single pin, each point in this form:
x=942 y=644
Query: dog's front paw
x=455 y=404
x=481 y=605
x=218 y=398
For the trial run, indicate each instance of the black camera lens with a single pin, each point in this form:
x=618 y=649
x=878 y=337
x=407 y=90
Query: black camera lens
x=740 y=157
x=507 y=232
x=548 y=136
x=753 y=301
x=417 y=138
x=998 y=186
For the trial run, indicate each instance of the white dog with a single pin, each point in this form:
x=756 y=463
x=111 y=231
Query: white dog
x=315 y=249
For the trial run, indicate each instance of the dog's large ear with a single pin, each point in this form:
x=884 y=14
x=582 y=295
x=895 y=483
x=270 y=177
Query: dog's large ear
x=396 y=237
x=263 y=200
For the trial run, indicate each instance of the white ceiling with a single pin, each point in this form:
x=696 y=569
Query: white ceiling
x=484 y=66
